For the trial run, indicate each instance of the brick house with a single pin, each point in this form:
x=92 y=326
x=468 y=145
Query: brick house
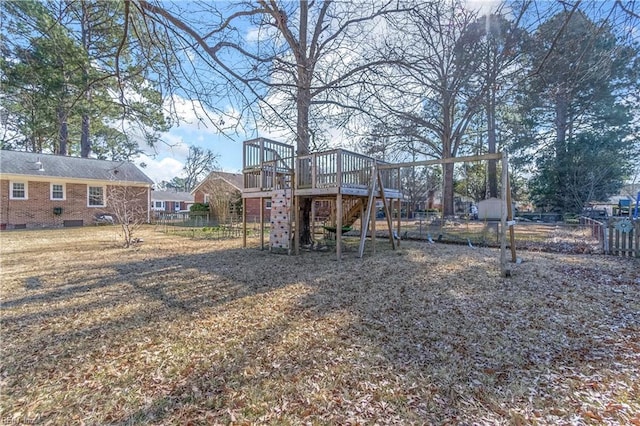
x=171 y=201
x=223 y=192
x=50 y=191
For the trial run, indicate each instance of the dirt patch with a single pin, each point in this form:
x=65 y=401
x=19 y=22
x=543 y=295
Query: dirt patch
x=178 y=331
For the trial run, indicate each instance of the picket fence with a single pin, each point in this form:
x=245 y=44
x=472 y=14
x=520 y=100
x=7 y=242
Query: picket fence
x=616 y=240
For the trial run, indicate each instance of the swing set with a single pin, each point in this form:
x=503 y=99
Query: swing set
x=352 y=183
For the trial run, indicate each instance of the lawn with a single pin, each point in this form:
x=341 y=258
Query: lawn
x=185 y=331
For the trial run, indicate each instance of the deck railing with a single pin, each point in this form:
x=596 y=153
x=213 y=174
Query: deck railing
x=343 y=168
x=261 y=150
x=267 y=164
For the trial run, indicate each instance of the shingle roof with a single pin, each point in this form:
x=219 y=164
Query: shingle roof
x=171 y=196
x=234 y=179
x=59 y=166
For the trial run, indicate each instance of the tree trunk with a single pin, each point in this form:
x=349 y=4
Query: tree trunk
x=85 y=143
x=447 y=190
x=492 y=172
x=303 y=103
x=302 y=125
x=447 y=152
x=561 y=146
x=63 y=132
x=561 y=125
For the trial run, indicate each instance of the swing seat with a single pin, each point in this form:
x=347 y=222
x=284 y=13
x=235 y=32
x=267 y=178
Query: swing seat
x=332 y=229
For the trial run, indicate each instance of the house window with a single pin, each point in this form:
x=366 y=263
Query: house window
x=267 y=204
x=206 y=198
x=95 y=195
x=18 y=191
x=57 y=191
x=176 y=206
x=158 y=205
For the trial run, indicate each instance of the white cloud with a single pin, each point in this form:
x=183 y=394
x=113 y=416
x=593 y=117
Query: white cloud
x=263 y=33
x=160 y=169
x=166 y=159
x=196 y=117
x=253 y=34
x=483 y=7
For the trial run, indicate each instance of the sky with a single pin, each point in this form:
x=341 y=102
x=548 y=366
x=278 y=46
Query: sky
x=166 y=160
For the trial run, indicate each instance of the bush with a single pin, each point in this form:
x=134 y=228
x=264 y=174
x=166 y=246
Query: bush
x=199 y=207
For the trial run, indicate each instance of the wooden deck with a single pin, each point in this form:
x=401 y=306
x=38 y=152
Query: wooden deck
x=269 y=165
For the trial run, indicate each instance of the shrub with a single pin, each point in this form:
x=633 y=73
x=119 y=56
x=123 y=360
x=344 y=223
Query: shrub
x=199 y=207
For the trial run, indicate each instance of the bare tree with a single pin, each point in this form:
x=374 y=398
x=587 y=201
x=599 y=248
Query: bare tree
x=199 y=163
x=298 y=57
x=438 y=93
x=297 y=64
x=129 y=207
x=501 y=43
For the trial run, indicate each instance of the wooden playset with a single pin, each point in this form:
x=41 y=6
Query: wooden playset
x=348 y=182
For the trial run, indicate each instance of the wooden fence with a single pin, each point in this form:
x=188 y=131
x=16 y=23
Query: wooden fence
x=623 y=237
x=617 y=239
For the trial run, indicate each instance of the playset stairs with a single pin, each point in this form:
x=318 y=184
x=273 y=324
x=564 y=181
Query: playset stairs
x=352 y=211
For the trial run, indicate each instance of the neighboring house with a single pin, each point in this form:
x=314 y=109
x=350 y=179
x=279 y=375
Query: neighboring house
x=171 y=201
x=43 y=190
x=628 y=195
x=627 y=192
x=223 y=192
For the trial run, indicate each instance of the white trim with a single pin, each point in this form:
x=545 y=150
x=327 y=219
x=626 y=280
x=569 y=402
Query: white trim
x=104 y=195
x=64 y=191
x=92 y=182
x=26 y=189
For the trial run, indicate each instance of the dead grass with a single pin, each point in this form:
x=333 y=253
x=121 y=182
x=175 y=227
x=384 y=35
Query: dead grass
x=181 y=331
x=554 y=237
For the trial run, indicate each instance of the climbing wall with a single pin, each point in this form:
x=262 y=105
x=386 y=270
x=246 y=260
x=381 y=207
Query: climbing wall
x=280 y=236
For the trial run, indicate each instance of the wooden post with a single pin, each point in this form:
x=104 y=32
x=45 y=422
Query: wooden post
x=636 y=232
x=387 y=211
x=512 y=237
x=244 y=223
x=313 y=222
x=363 y=225
x=339 y=226
x=261 y=223
x=506 y=272
x=314 y=170
x=399 y=219
x=367 y=219
x=398 y=187
x=373 y=226
x=295 y=209
x=339 y=168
